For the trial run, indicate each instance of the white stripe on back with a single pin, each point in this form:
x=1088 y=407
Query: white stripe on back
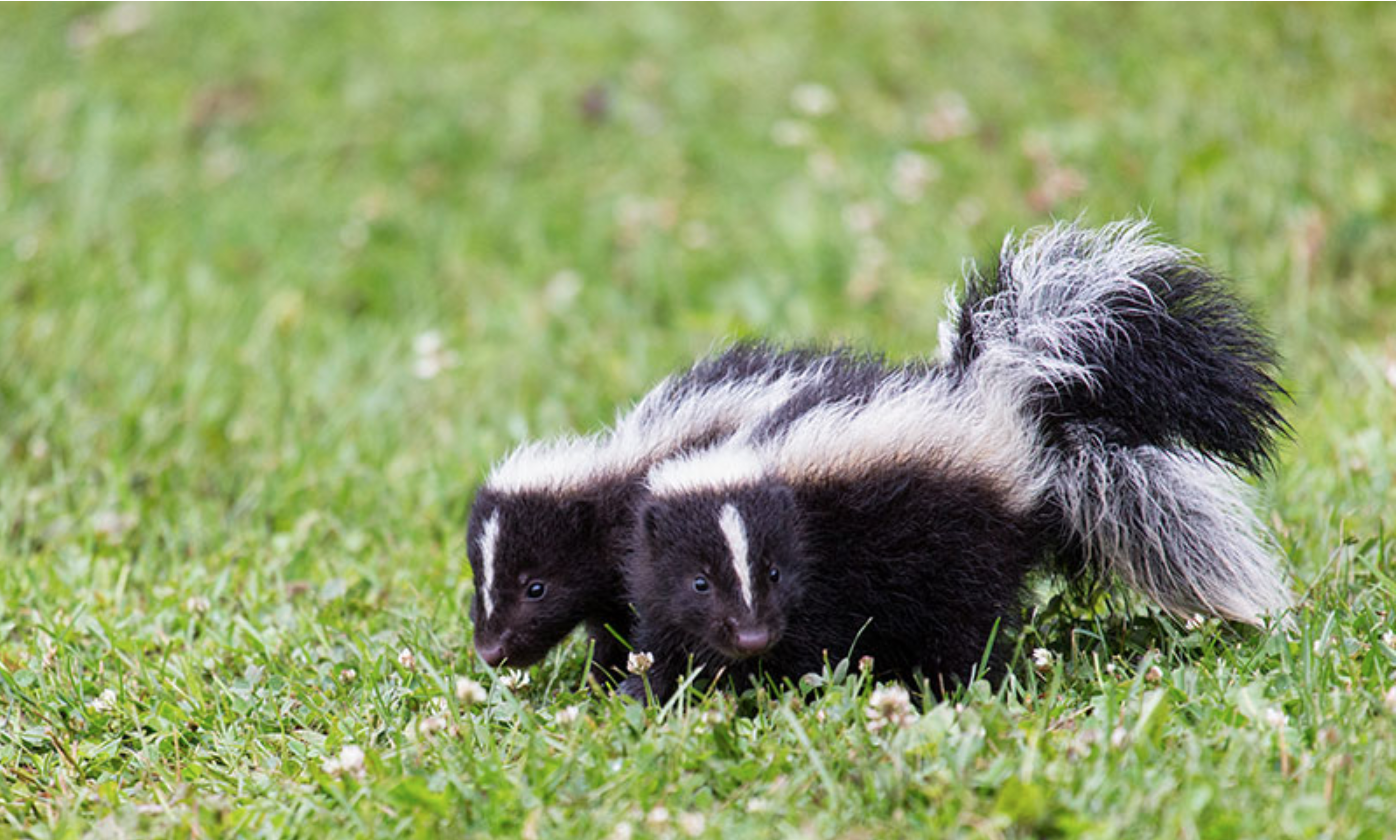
x=650 y=432
x=488 y=541
x=730 y=521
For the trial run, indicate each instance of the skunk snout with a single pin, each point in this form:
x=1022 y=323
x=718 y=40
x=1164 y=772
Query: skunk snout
x=753 y=641
x=748 y=641
x=492 y=651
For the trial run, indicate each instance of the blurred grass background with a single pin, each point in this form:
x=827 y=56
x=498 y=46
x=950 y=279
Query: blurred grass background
x=277 y=284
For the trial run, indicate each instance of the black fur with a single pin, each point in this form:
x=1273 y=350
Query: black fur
x=917 y=568
x=1188 y=365
x=573 y=542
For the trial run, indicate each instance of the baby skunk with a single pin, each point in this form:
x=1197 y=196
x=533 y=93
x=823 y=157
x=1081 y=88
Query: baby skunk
x=1095 y=396
x=549 y=525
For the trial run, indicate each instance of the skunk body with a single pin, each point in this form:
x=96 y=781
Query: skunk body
x=898 y=526
x=1095 y=398
x=550 y=523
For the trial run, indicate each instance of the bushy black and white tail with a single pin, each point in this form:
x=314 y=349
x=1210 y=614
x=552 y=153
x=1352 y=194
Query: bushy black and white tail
x=1151 y=388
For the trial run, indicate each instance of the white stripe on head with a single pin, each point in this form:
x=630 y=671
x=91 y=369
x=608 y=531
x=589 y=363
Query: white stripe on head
x=489 y=540
x=730 y=521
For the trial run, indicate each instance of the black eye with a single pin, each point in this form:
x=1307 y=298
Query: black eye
x=535 y=590
x=774 y=574
x=700 y=584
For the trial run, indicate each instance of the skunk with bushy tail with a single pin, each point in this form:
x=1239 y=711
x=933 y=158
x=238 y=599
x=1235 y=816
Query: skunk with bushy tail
x=549 y=525
x=1096 y=397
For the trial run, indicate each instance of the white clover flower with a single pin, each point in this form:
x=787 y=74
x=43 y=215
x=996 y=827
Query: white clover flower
x=348 y=675
x=889 y=705
x=430 y=725
x=196 y=604
x=969 y=211
x=105 y=702
x=692 y=823
x=430 y=356
x=469 y=692
x=1275 y=718
x=407 y=659
x=1119 y=737
x=622 y=831
x=1042 y=659
x=428 y=343
x=862 y=217
x=349 y=762
x=639 y=663
x=111 y=526
x=657 y=818
x=911 y=174
x=949 y=118
x=568 y=715
x=561 y=289
x=1154 y=674
x=514 y=679
x=1389 y=639
x=790 y=133
x=811 y=99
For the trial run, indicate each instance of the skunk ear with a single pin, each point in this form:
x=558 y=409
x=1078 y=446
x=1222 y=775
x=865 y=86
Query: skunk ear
x=781 y=497
x=649 y=521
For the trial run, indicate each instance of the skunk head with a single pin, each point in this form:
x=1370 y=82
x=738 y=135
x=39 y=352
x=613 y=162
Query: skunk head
x=721 y=568
x=536 y=575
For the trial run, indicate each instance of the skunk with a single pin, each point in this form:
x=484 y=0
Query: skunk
x=1095 y=399
x=549 y=525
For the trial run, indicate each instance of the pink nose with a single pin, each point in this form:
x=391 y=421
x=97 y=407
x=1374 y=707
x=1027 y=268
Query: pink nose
x=752 y=640
x=492 y=653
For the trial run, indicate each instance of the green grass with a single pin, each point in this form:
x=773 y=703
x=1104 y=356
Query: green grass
x=222 y=486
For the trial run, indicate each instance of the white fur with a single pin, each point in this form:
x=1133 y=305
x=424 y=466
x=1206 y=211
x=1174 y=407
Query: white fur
x=734 y=529
x=1174 y=525
x=653 y=430
x=1061 y=298
x=718 y=468
x=974 y=428
x=489 y=543
x=909 y=419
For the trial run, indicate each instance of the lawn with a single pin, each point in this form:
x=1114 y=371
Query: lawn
x=278 y=284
